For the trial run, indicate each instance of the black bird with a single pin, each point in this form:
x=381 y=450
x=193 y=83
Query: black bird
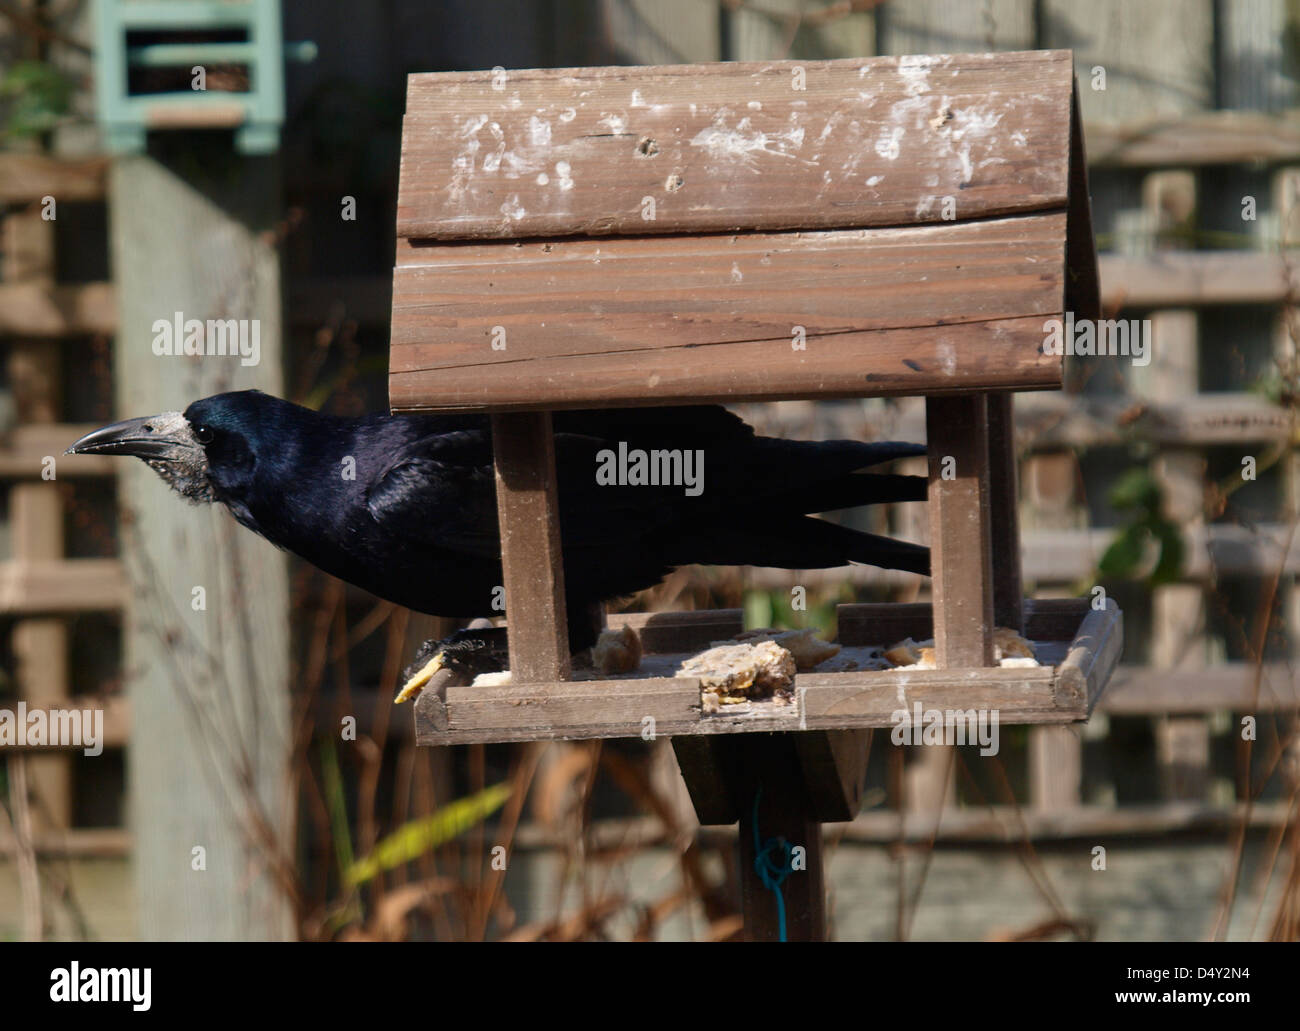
x=405 y=506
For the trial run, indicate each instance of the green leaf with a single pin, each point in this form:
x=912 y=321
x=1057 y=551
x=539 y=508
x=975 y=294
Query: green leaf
x=37 y=95
x=1170 y=566
x=413 y=839
x=1125 y=553
x=1136 y=489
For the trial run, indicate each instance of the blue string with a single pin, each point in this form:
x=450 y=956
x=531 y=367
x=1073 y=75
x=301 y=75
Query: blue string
x=769 y=871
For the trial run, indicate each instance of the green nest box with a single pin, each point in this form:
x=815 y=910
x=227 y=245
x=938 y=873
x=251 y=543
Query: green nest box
x=191 y=64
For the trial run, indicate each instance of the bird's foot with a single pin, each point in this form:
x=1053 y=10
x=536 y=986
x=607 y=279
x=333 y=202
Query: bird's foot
x=466 y=652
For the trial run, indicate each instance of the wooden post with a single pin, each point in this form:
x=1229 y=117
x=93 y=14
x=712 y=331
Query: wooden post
x=209 y=791
x=523 y=449
x=957 y=439
x=1004 y=505
x=768 y=768
x=36 y=513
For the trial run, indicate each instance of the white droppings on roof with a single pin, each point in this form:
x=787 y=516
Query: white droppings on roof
x=875 y=180
x=947 y=358
x=472 y=125
x=915 y=73
x=888 y=146
x=543 y=179
x=637 y=100
x=614 y=123
x=568 y=115
x=512 y=209
x=742 y=142
x=924 y=205
x=562 y=172
x=1018 y=138
x=754 y=105
x=736 y=275
x=515 y=102
x=539 y=132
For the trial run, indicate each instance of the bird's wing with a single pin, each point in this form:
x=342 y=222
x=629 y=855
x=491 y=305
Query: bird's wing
x=440 y=489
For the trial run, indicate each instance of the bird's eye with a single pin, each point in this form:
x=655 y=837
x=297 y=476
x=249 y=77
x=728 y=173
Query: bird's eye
x=203 y=435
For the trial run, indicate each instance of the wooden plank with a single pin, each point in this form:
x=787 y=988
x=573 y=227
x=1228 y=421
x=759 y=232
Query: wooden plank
x=528 y=512
x=1139 y=691
x=957 y=445
x=553 y=707
x=735 y=146
x=1046 y=421
x=79 y=843
x=833 y=765
x=671 y=632
x=1004 y=508
x=24 y=449
x=1055 y=768
x=831 y=700
x=1195 y=138
x=32 y=309
x=26 y=178
x=708 y=768
x=1092 y=659
x=61 y=585
x=1171 y=279
x=1218 y=549
x=1087 y=822
x=1183 y=757
x=567 y=323
x=1050 y=619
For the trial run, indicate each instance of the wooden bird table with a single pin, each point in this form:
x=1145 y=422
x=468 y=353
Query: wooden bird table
x=614 y=237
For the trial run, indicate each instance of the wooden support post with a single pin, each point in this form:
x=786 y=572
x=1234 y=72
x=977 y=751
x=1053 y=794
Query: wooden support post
x=528 y=510
x=957 y=439
x=36 y=514
x=1004 y=506
x=209 y=687
x=768 y=770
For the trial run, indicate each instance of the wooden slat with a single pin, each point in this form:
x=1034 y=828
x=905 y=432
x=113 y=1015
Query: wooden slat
x=1171 y=279
x=1138 y=691
x=1197 y=138
x=1054 y=420
x=1053 y=619
x=32 y=309
x=728 y=147
x=658 y=320
x=554 y=708
x=79 y=843
x=70 y=585
x=680 y=631
x=24 y=450
x=1065 y=555
x=960 y=532
x=1092 y=658
x=25 y=178
x=1090 y=822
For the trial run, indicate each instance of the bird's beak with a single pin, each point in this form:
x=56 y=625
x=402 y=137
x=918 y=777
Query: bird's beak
x=159 y=437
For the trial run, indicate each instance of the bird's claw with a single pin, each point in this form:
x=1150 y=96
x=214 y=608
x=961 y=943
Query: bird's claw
x=466 y=652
